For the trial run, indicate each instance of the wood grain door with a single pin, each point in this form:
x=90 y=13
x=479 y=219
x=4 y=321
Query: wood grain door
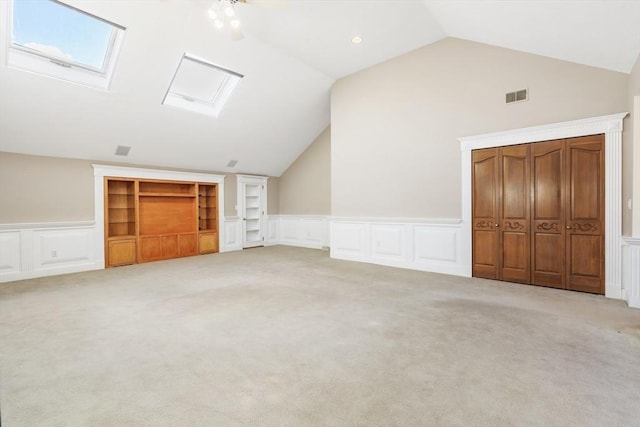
x=485 y=213
x=547 y=213
x=514 y=221
x=584 y=215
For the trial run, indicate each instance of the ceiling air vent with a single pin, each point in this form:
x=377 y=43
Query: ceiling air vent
x=517 y=96
x=232 y=163
x=122 y=150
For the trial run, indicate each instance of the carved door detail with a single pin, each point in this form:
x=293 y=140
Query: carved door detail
x=485 y=207
x=515 y=213
x=538 y=213
x=585 y=214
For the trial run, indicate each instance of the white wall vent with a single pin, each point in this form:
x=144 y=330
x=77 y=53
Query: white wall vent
x=517 y=96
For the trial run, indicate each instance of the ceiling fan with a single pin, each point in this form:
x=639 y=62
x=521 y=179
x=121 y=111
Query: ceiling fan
x=224 y=15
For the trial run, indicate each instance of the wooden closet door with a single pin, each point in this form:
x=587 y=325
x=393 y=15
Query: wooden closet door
x=585 y=214
x=515 y=214
x=547 y=214
x=485 y=213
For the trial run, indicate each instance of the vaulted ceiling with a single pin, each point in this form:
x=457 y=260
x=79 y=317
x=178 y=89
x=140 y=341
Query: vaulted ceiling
x=292 y=53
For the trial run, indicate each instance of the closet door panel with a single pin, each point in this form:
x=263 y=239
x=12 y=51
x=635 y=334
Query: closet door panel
x=515 y=213
x=585 y=214
x=485 y=177
x=547 y=222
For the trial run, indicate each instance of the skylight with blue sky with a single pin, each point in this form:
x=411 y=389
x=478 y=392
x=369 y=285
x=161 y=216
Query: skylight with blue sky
x=62 y=32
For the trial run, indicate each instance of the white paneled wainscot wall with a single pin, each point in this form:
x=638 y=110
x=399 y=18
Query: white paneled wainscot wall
x=418 y=244
x=631 y=271
x=306 y=231
x=46 y=249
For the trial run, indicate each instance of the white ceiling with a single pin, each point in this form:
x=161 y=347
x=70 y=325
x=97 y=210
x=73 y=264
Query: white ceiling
x=290 y=57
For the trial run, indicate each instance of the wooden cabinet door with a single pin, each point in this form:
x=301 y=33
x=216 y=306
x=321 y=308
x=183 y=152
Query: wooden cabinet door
x=515 y=214
x=188 y=244
x=486 y=242
x=584 y=221
x=121 y=252
x=208 y=242
x=547 y=221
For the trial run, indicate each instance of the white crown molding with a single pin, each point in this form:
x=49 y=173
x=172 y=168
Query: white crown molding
x=574 y=128
x=143 y=173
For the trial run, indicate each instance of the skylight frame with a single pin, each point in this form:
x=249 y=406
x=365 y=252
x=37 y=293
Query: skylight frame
x=219 y=99
x=35 y=61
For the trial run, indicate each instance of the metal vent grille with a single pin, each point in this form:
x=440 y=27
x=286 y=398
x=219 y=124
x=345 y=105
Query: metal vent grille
x=122 y=150
x=517 y=96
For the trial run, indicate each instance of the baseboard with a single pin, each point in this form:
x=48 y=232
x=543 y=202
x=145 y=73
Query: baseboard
x=432 y=245
x=29 y=251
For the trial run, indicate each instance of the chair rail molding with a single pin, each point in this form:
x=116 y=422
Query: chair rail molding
x=611 y=127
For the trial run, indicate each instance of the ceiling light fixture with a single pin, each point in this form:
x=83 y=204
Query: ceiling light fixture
x=357 y=39
x=223 y=14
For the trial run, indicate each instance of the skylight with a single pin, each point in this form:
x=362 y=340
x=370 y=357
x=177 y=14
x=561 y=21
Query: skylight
x=51 y=38
x=200 y=86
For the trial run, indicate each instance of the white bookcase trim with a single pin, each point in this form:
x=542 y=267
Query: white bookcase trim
x=101 y=171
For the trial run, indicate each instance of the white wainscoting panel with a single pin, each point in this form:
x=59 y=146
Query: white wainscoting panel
x=232 y=235
x=418 y=244
x=350 y=240
x=10 y=252
x=631 y=271
x=37 y=250
x=438 y=248
x=273 y=227
x=389 y=242
x=307 y=231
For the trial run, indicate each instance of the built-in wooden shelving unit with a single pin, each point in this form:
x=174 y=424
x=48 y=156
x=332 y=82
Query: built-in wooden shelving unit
x=149 y=220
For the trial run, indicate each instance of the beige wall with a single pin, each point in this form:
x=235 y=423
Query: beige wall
x=230 y=195
x=305 y=187
x=273 y=196
x=44 y=189
x=51 y=189
x=394 y=127
x=631 y=154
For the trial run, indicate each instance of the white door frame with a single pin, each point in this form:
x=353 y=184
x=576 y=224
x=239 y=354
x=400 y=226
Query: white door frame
x=611 y=127
x=262 y=182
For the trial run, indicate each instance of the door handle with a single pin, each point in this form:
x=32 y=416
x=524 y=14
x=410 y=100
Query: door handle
x=568 y=227
x=497 y=225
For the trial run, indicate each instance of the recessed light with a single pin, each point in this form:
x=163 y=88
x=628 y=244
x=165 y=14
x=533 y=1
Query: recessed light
x=357 y=39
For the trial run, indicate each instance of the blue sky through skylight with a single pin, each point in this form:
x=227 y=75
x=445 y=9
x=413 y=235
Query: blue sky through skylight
x=49 y=27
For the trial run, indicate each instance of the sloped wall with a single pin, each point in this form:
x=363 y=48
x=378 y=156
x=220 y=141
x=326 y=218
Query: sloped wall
x=394 y=127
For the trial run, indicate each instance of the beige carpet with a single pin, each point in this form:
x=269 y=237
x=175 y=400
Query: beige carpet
x=288 y=337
